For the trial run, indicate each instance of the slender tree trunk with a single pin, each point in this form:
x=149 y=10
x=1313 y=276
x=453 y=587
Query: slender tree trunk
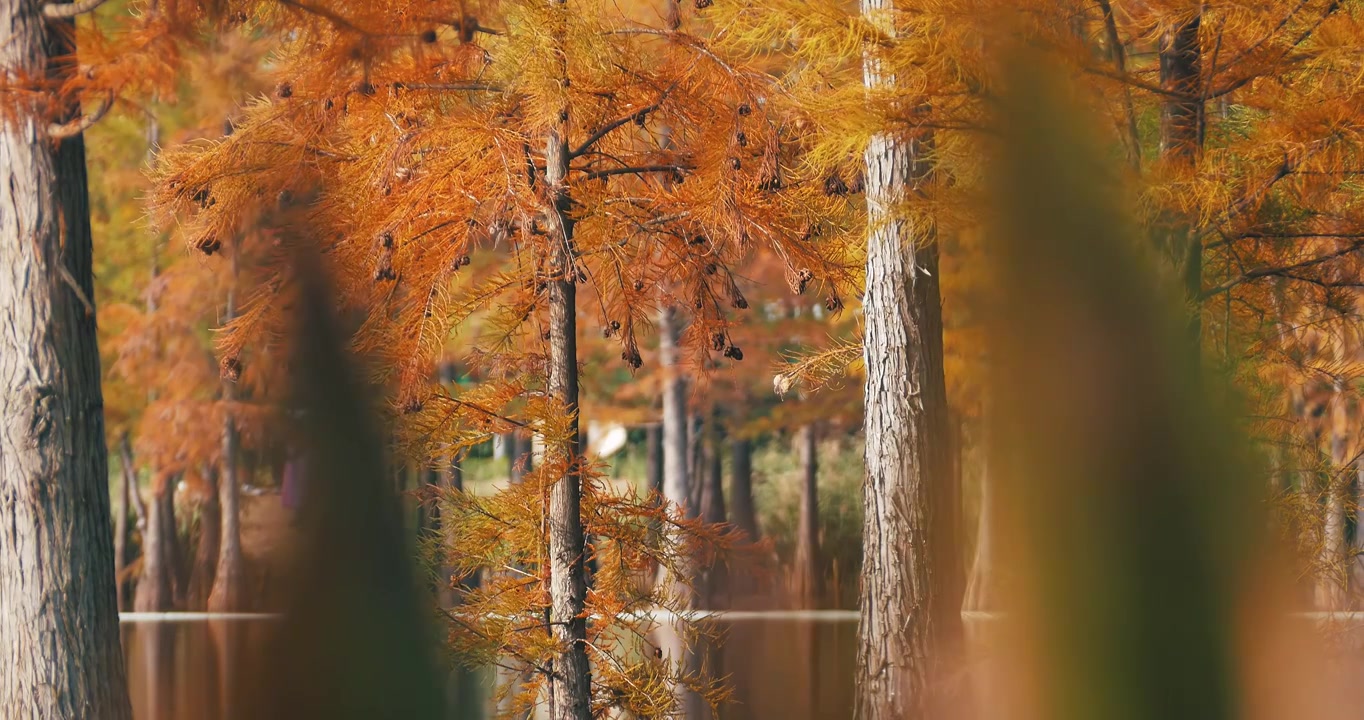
x=741 y=487
x=808 y=577
x=228 y=590
x=570 y=691
x=653 y=458
x=59 y=643
x=696 y=465
x=206 y=554
x=904 y=618
x=125 y=449
x=713 y=483
x=1332 y=583
x=156 y=585
x=1181 y=139
x=121 y=531
x=676 y=473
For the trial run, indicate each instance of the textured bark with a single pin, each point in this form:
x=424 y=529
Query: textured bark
x=227 y=595
x=807 y=576
x=206 y=552
x=59 y=643
x=903 y=617
x=743 y=512
x=570 y=693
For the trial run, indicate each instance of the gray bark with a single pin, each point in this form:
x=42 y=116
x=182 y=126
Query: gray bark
x=227 y=595
x=59 y=643
x=904 y=618
x=676 y=474
x=570 y=689
x=808 y=577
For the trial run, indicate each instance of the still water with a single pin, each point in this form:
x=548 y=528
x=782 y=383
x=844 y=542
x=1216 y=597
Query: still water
x=778 y=669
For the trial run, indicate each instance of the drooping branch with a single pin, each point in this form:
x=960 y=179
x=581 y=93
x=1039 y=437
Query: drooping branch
x=78 y=125
x=64 y=11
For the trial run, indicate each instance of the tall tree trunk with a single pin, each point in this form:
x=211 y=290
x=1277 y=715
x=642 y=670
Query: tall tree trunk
x=570 y=691
x=121 y=531
x=156 y=584
x=653 y=458
x=696 y=465
x=904 y=618
x=715 y=580
x=125 y=449
x=206 y=553
x=227 y=595
x=807 y=575
x=1181 y=139
x=676 y=475
x=744 y=514
x=59 y=643
x=1332 y=583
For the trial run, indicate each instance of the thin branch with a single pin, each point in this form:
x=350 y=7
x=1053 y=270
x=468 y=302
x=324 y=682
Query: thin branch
x=65 y=11
x=607 y=128
x=596 y=174
x=80 y=124
x=1285 y=271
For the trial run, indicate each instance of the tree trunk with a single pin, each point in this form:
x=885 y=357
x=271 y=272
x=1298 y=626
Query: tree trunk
x=696 y=465
x=982 y=593
x=520 y=456
x=206 y=554
x=156 y=584
x=653 y=459
x=1181 y=139
x=121 y=531
x=741 y=488
x=570 y=689
x=807 y=575
x=715 y=580
x=125 y=449
x=676 y=475
x=59 y=642
x=227 y=595
x=1332 y=582
x=904 y=618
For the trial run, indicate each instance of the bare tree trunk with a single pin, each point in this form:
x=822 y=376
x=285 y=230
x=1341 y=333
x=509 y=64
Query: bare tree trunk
x=1333 y=583
x=653 y=458
x=696 y=465
x=741 y=487
x=206 y=553
x=121 y=531
x=125 y=450
x=227 y=595
x=156 y=584
x=808 y=577
x=1181 y=139
x=904 y=618
x=714 y=580
x=570 y=688
x=59 y=643
x=676 y=475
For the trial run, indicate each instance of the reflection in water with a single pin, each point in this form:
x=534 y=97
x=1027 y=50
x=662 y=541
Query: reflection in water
x=779 y=670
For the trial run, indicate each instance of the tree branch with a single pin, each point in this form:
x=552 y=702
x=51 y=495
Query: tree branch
x=65 y=11
x=597 y=174
x=608 y=127
x=79 y=124
x=1286 y=270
